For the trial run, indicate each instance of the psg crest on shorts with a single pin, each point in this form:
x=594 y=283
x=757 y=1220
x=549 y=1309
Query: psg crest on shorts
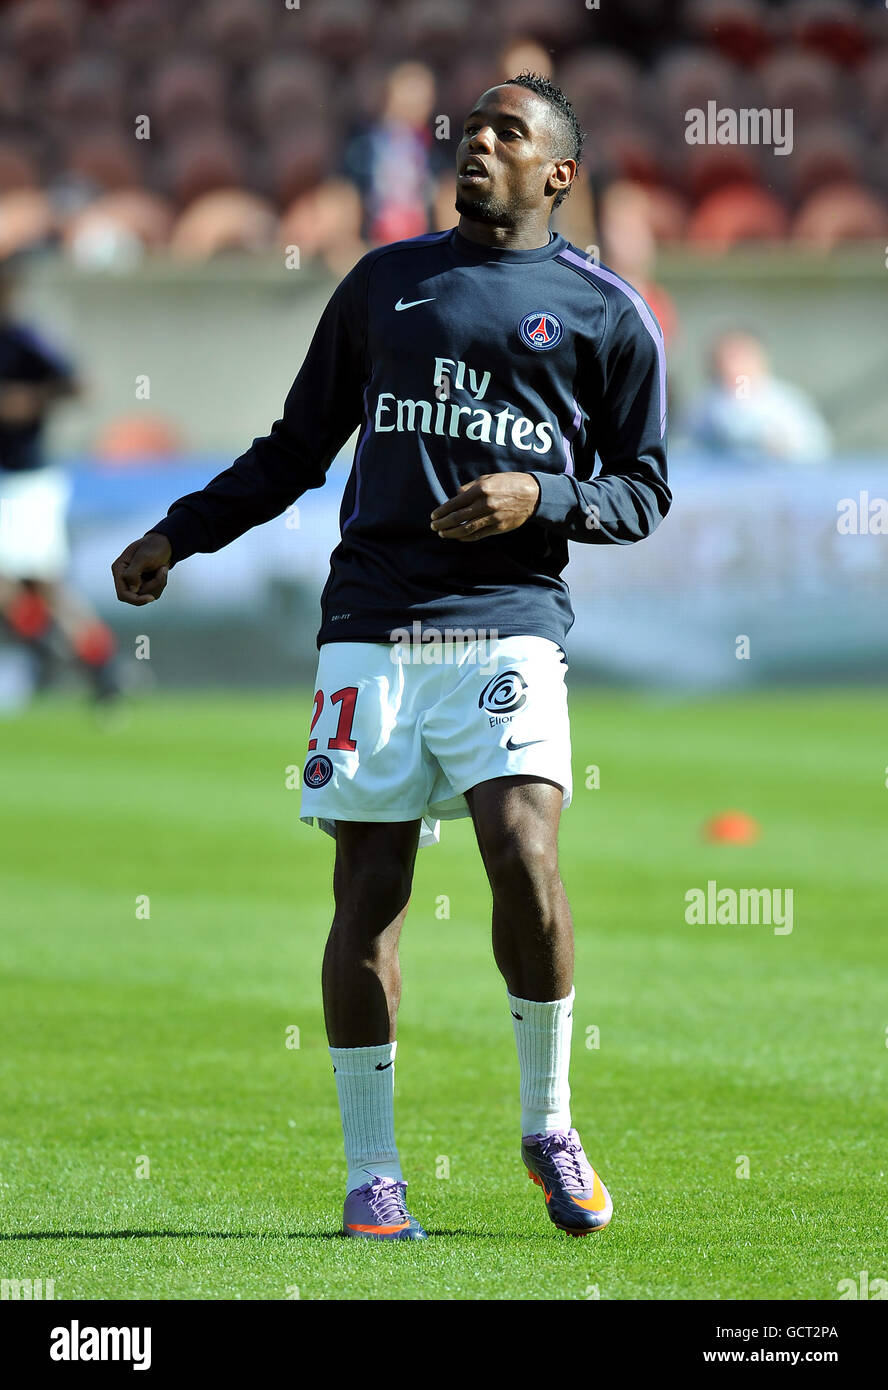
x=541 y=331
x=318 y=771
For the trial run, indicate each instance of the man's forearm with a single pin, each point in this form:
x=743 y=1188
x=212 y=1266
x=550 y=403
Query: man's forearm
x=612 y=509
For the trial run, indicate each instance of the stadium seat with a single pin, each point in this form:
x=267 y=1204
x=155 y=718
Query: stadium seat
x=43 y=34
x=832 y=28
x=826 y=153
x=632 y=153
x=203 y=163
x=299 y=161
x=840 y=213
x=86 y=91
x=186 y=94
x=239 y=31
x=604 y=87
x=706 y=168
x=740 y=30
x=284 y=91
x=103 y=160
x=227 y=220
x=338 y=30
x=18 y=169
x=734 y=215
x=434 y=33
x=140 y=31
x=804 y=82
x=872 y=80
x=554 y=24
x=12 y=92
x=685 y=80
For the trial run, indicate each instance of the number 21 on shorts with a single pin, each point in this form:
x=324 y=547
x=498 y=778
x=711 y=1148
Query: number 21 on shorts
x=342 y=739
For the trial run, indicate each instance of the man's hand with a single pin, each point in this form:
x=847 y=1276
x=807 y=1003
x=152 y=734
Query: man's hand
x=493 y=503
x=140 y=572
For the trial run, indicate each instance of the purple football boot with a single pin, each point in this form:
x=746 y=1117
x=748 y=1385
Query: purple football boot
x=377 y=1211
x=576 y=1199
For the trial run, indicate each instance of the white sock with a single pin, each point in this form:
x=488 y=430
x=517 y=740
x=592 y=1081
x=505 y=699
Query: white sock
x=543 y=1033
x=365 y=1081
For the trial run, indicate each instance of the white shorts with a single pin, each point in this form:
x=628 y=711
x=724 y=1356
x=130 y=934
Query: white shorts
x=33 y=538
x=400 y=733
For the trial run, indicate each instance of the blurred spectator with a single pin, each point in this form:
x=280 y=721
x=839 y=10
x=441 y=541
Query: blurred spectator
x=444 y=203
x=391 y=161
x=748 y=415
x=628 y=246
x=222 y=221
x=325 y=224
x=36 y=606
x=114 y=232
x=523 y=55
x=26 y=221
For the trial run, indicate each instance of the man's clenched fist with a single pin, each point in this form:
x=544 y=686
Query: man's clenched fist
x=140 y=572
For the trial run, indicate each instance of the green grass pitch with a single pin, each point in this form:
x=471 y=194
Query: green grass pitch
x=158 y=1045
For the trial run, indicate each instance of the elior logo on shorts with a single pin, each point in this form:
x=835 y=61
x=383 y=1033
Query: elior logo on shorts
x=504 y=694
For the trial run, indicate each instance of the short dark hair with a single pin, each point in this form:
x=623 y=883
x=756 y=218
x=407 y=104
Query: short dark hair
x=569 y=133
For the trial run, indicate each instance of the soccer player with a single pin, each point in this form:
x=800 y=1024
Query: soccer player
x=37 y=607
x=484 y=368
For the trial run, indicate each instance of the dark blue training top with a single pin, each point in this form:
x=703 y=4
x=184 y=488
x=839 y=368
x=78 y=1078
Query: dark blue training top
x=26 y=359
x=455 y=360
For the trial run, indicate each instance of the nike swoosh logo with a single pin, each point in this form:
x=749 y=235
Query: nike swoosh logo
x=413 y=303
x=513 y=747
x=383 y=1066
x=593 y=1203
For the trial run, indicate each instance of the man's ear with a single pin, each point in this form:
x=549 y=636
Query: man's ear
x=562 y=176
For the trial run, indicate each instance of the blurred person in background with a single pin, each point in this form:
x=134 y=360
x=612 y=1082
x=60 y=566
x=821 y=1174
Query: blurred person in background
x=391 y=162
x=629 y=246
x=325 y=224
x=524 y=54
x=746 y=414
x=36 y=606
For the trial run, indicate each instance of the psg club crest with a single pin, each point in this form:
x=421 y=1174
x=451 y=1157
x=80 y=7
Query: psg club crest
x=541 y=331
x=318 y=771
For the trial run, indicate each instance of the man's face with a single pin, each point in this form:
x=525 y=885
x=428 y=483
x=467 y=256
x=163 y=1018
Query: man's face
x=738 y=356
x=505 y=157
